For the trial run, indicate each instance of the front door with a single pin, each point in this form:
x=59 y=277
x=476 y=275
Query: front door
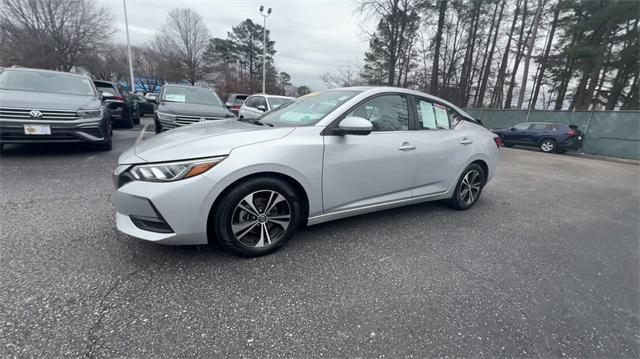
x=367 y=170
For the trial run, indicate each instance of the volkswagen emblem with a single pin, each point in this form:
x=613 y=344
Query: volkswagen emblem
x=35 y=114
x=202 y=119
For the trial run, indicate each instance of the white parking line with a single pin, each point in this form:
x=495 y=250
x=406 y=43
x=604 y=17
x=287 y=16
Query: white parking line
x=141 y=133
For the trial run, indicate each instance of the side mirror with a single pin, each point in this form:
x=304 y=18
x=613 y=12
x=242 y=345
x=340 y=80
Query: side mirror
x=262 y=108
x=355 y=126
x=157 y=100
x=513 y=129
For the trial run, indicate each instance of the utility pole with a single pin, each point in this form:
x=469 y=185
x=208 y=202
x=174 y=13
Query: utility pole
x=264 y=49
x=126 y=25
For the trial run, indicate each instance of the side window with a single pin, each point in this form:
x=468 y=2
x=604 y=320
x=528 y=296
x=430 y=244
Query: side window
x=538 y=126
x=454 y=117
x=551 y=126
x=251 y=102
x=260 y=101
x=431 y=116
x=521 y=126
x=386 y=113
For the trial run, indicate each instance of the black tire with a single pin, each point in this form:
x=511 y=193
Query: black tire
x=249 y=240
x=127 y=118
x=157 y=125
x=460 y=199
x=548 y=145
x=136 y=116
x=107 y=143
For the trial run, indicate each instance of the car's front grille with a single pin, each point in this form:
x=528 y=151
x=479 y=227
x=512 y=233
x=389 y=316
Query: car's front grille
x=8 y=113
x=187 y=120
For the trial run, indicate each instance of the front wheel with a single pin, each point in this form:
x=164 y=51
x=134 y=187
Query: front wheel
x=468 y=188
x=257 y=216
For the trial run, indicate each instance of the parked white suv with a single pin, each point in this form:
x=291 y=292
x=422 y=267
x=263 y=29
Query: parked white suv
x=256 y=105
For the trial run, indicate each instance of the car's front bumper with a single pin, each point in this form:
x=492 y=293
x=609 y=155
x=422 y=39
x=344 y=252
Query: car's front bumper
x=173 y=213
x=83 y=130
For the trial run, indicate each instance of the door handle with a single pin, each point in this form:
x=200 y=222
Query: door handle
x=466 y=141
x=406 y=146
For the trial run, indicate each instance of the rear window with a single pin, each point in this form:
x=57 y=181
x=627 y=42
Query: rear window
x=195 y=95
x=239 y=100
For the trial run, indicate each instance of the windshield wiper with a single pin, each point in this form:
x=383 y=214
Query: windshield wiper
x=253 y=121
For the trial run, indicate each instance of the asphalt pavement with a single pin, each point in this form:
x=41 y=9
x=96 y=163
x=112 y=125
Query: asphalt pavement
x=545 y=265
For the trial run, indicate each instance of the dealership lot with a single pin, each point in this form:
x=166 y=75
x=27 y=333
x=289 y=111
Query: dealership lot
x=546 y=264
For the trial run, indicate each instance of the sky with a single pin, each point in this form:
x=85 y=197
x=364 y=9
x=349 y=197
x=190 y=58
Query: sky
x=312 y=36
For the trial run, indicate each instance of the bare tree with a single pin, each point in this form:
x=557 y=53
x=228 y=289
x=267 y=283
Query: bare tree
x=527 y=59
x=344 y=76
x=186 y=37
x=54 y=34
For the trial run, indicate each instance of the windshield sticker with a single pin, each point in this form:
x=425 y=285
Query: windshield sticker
x=175 y=97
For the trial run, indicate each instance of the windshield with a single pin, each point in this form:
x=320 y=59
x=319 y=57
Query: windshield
x=46 y=82
x=307 y=110
x=277 y=101
x=195 y=95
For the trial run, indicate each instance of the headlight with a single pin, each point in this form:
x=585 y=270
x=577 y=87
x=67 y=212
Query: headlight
x=90 y=113
x=166 y=116
x=173 y=171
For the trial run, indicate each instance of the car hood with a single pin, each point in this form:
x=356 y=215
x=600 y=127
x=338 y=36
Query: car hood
x=46 y=100
x=205 y=139
x=190 y=109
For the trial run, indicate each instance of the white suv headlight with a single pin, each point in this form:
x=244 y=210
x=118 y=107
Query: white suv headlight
x=173 y=171
x=90 y=113
x=166 y=116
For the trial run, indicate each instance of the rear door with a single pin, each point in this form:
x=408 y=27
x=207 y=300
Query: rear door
x=444 y=144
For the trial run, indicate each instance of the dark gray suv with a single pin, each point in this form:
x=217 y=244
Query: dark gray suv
x=50 y=106
x=180 y=105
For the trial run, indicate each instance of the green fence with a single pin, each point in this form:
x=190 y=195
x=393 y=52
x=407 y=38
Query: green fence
x=607 y=133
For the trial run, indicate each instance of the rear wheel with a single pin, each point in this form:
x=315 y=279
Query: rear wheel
x=468 y=188
x=548 y=145
x=127 y=118
x=257 y=216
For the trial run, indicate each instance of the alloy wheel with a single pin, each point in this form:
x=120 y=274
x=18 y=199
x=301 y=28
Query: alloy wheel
x=470 y=187
x=261 y=218
x=547 y=146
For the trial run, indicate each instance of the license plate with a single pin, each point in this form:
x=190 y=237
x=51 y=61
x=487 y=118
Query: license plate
x=37 y=129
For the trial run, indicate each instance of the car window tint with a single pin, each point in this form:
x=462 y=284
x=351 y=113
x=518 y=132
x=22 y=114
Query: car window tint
x=261 y=101
x=251 y=102
x=521 y=126
x=551 y=126
x=538 y=126
x=238 y=100
x=454 y=117
x=386 y=113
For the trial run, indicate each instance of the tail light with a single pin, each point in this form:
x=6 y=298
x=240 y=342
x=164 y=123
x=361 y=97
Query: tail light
x=498 y=141
x=118 y=98
x=571 y=132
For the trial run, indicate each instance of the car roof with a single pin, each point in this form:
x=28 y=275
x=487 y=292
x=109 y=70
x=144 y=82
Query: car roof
x=273 y=96
x=28 y=69
x=372 y=90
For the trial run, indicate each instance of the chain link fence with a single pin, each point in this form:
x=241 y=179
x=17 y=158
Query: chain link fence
x=606 y=133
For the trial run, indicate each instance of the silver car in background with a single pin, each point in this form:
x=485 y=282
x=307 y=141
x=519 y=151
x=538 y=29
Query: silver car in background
x=256 y=105
x=324 y=156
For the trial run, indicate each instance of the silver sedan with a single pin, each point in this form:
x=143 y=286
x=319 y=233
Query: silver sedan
x=324 y=156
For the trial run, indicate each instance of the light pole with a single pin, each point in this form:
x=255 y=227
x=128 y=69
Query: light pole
x=126 y=25
x=264 y=45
